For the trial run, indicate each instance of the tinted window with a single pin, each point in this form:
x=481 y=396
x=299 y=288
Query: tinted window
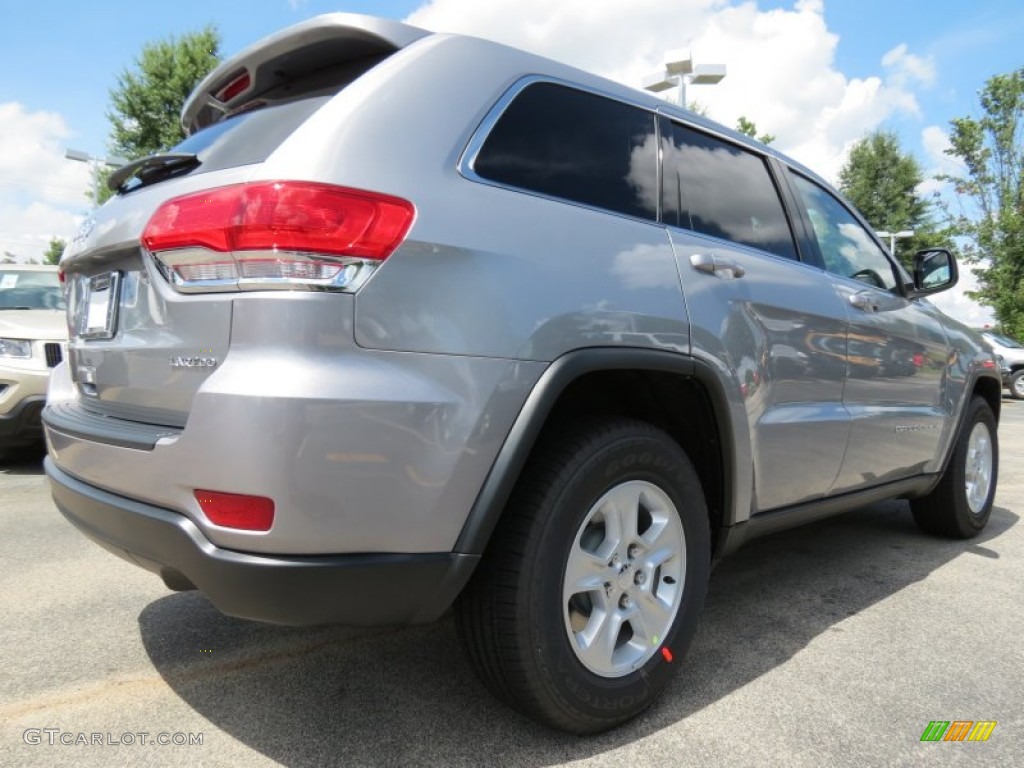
x=249 y=137
x=718 y=189
x=846 y=247
x=574 y=145
x=244 y=138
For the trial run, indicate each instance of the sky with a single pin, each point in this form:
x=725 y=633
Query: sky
x=817 y=74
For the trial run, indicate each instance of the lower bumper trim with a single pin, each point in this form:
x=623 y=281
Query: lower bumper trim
x=356 y=589
x=23 y=425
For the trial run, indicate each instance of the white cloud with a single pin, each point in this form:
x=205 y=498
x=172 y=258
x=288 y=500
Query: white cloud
x=960 y=307
x=955 y=303
x=781 y=62
x=905 y=67
x=935 y=141
x=41 y=194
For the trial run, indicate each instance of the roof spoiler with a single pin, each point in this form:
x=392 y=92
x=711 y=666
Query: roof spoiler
x=312 y=45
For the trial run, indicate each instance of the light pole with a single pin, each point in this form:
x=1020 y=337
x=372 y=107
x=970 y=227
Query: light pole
x=94 y=164
x=680 y=72
x=894 y=236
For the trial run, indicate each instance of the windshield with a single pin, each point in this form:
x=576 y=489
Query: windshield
x=1004 y=341
x=29 y=289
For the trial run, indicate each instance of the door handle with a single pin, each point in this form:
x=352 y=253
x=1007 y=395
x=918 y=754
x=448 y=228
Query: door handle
x=705 y=262
x=864 y=301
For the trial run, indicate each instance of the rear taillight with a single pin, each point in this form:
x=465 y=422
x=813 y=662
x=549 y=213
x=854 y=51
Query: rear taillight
x=234 y=510
x=280 y=234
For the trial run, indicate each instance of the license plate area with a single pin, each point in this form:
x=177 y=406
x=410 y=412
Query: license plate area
x=100 y=303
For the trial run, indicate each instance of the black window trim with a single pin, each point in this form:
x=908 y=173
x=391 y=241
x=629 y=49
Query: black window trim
x=806 y=244
x=773 y=175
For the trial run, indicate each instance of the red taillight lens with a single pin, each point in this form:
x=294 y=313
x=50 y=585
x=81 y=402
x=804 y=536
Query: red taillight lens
x=296 y=216
x=233 y=510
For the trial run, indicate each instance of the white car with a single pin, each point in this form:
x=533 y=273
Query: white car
x=33 y=339
x=1011 y=362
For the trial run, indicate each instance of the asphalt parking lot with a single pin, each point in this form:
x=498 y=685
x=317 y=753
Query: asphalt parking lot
x=833 y=644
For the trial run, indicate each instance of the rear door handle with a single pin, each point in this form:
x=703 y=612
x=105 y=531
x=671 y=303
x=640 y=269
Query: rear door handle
x=705 y=262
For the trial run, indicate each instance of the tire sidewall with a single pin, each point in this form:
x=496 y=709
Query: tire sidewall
x=1016 y=381
x=968 y=521
x=653 y=458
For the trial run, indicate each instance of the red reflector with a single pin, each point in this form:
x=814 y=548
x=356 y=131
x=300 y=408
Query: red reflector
x=233 y=510
x=296 y=216
x=667 y=654
x=60 y=275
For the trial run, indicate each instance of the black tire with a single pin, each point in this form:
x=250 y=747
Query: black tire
x=947 y=510
x=513 y=618
x=1017 y=385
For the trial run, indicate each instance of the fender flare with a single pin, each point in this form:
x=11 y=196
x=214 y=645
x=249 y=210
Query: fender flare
x=737 y=469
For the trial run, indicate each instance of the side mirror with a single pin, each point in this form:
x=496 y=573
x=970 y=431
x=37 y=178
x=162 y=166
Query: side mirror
x=935 y=270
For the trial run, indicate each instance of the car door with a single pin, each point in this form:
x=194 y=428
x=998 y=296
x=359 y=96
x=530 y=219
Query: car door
x=897 y=351
x=756 y=311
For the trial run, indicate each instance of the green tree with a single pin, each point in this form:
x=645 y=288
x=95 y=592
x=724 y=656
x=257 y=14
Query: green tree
x=749 y=128
x=881 y=180
x=145 y=105
x=54 y=250
x=991 y=214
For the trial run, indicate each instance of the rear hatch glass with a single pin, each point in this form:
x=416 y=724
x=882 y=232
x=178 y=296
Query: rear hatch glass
x=244 y=138
x=252 y=131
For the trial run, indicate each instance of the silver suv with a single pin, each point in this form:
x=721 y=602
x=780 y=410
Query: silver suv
x=413 y=320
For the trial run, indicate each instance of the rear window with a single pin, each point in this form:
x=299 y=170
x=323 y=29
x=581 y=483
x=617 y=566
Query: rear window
x=576 y=146
x=249 y=137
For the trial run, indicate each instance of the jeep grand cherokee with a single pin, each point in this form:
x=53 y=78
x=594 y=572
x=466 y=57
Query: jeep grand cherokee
x=412 y=320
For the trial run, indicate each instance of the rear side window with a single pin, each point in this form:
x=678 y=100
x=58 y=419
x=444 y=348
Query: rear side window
x=718 y=189
x=577 y=146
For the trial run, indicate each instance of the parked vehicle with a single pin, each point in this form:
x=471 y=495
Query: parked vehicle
x=412 y=320
x=33 y=335
x=1010 y=354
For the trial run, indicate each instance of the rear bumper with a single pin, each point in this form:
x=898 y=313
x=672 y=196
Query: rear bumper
x=358 y=589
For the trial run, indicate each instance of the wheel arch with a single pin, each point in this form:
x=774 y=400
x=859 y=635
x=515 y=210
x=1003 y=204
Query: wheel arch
x=597 y=380
x=990 y=387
